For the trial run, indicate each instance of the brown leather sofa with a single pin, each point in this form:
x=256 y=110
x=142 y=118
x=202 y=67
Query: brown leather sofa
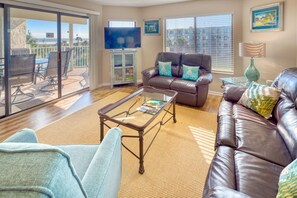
x=252 y=151
x=189 y=92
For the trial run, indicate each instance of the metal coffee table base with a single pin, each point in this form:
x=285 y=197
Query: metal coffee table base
x=141 y=133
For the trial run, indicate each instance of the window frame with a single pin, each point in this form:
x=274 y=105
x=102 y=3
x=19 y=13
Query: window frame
x=114 y=20
x=214 y=70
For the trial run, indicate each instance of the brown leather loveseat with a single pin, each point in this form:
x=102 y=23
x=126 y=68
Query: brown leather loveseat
x=189 y=92
x=252 y=151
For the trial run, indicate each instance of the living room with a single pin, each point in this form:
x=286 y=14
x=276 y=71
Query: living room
x=176 y=158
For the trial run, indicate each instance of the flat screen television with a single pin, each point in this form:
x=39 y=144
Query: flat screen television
x=120 y=38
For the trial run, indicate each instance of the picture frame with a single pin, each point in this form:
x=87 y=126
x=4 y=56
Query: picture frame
x=267 y=18
x=152 y=27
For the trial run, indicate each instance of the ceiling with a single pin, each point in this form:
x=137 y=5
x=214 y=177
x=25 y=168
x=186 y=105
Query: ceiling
x=135 y=3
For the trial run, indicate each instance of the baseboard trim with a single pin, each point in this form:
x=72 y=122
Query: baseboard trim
x=215 y=93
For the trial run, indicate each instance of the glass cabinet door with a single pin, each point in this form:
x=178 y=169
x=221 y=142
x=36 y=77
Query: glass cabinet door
x=128 y=60
x=118 y=60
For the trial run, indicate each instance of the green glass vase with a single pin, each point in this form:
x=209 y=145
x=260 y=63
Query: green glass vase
x=251 y=72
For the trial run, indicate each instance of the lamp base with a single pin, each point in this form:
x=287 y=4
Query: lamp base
x=251 y=72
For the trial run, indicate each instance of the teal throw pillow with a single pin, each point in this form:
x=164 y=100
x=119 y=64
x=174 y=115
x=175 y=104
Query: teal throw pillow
x=165 y=69
x=190 y=72
x=287 y=183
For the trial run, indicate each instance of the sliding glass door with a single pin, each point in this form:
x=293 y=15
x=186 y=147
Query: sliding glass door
x=44 y=55
x=2 y=63
x=75 y=42
x=33 y=76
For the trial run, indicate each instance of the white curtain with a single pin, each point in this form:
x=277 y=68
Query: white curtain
x=95 y=52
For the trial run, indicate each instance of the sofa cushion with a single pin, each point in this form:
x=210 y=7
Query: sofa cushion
x=190 y=72
x=202 y=60
x=162 y=82
x=260 y=98
x=287 y=127
x=261 y=141
x=165 y=69
x=287 y=184
x=184 y=86
x=256 y=177
x=80 y=156
x=221 y=171
x=172 y=57
x=243 y=113
x=41 y=168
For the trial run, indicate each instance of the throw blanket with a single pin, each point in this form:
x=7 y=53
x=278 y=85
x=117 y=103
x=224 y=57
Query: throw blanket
x=37 y=170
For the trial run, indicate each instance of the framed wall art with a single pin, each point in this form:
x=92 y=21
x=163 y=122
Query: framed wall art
x=267 y=17
x=152 y=27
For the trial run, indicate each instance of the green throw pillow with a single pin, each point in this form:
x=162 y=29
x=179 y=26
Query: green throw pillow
x=190 y=72
x=260 y=98
x=287 y=184
x=165 y=69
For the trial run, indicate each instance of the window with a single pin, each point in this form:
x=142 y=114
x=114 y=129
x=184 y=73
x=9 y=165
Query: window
x=212 y=35
x=121 y=24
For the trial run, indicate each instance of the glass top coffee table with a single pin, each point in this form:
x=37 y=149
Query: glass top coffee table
x=137 y=111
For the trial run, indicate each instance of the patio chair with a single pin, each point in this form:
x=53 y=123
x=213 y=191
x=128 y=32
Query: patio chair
x=51 y=71
x=21 y=72
x=69 y=50
x=20 y=51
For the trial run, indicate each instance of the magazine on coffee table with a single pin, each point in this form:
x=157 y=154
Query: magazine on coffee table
x=151 y=106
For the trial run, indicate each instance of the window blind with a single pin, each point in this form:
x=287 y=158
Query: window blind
x=121 y=24
x=211 y=35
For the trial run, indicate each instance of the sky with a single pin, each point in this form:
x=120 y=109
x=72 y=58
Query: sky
x=39 y=28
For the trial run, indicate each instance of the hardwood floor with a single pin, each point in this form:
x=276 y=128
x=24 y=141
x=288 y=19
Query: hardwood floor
x=39 y=117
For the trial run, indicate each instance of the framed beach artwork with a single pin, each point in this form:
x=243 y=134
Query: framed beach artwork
x=267 y=17
x=152 y=27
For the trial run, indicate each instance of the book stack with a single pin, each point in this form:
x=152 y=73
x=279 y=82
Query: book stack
x=151 y=106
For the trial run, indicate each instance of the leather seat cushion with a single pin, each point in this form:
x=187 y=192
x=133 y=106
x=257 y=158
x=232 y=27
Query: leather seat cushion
x=183 y=85
x=262 y=141
x=221 y=171
x=256 y=177
x=161 y=82
x=241 y=112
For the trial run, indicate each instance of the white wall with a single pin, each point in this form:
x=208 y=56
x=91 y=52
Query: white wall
x=151 y=45
x=281 y=47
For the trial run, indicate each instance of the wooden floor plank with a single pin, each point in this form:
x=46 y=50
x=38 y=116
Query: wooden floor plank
x=39 y=117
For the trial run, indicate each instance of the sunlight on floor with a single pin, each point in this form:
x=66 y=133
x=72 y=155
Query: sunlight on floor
x=205 y=140
x=67 y=103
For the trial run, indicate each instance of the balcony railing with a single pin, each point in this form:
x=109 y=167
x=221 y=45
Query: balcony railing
x=79 y=55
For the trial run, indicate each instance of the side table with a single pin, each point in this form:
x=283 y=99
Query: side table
x=240 y=81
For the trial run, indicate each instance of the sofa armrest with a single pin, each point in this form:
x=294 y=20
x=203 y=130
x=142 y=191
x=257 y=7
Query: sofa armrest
x=103 y=176
x=224 y=192
x=233 y=93
x=204 y=79
x=148 y=74
x=24 y=136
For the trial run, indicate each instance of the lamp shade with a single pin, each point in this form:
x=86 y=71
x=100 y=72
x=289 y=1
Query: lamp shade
x=254 y=50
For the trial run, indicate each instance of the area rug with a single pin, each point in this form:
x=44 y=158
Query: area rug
x=176 y=164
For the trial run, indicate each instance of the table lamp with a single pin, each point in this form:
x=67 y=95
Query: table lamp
x=252 y=50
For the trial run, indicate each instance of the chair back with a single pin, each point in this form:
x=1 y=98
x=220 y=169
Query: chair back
x=20 y=51
x=21 y=68
x=52 y=67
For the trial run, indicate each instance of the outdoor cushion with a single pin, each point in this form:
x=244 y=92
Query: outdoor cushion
x=184 y=86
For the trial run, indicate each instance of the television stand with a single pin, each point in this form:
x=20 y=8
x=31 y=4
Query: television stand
x=123 y=67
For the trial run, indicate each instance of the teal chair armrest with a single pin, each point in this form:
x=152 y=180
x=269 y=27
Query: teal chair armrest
x=103 y=176
x=24 y=136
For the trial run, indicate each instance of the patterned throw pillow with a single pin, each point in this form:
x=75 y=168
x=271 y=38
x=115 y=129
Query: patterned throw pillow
x=260 y=98
x=287 y=183
x=190 y=72
x=165 y=69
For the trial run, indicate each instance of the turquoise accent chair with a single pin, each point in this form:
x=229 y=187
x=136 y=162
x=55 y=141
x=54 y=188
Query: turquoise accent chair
x=99 y=167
